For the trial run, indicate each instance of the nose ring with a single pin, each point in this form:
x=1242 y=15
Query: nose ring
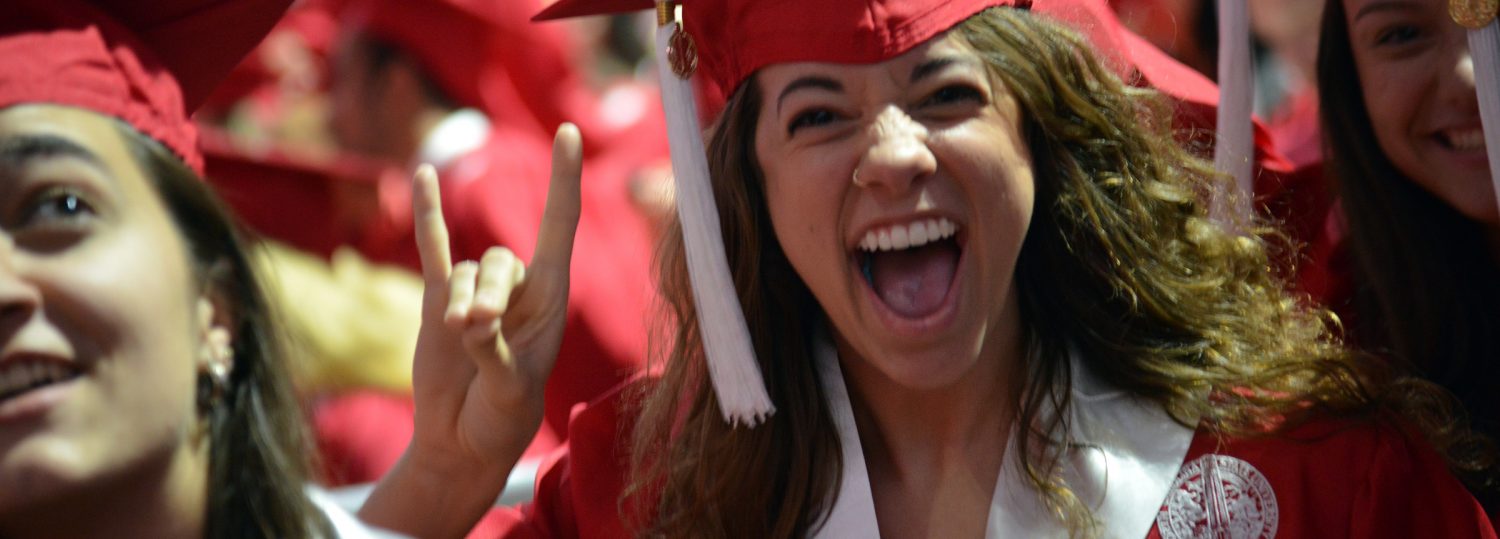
x=858 y=183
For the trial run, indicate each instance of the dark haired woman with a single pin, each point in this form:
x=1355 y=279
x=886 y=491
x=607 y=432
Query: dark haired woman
x=1405 y=146
x=142 y=393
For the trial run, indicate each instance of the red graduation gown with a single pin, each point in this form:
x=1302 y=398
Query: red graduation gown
x=1328 y=479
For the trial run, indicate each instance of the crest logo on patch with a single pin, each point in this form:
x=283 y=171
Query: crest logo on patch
x=1219 y=497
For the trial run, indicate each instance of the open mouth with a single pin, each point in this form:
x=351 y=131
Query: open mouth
x=911 y=266
x=1462 y=140
x=20 y=377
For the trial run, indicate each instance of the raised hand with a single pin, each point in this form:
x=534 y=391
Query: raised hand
x=489 y=338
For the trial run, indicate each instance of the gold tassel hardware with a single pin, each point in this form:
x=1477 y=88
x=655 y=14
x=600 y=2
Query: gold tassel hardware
x=1473 y=14
x=682 y=51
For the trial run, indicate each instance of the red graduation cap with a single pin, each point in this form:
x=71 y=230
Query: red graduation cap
x=147 y=63
x=727 y=40
x=484 y=54
x=455 y=41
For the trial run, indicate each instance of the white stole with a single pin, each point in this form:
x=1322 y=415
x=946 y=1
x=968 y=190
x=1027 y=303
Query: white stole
x=1131 y=452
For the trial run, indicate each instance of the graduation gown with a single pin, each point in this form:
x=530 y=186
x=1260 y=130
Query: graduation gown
x=1145 y=478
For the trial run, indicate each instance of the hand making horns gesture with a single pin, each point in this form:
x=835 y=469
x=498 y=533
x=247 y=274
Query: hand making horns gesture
x=489 y=338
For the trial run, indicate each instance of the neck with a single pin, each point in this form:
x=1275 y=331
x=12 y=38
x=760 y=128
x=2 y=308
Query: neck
x=934 y=454
x=918 y=430
x=163 y=497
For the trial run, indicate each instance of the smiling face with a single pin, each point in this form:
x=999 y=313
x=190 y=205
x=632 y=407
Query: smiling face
x=913 y=259
x=102 y=324
x=1418 y=81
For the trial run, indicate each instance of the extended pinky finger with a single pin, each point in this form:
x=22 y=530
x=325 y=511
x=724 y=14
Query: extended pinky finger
x=461 y=293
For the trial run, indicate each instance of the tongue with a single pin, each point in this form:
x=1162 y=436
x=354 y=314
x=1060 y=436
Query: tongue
x=913 y=282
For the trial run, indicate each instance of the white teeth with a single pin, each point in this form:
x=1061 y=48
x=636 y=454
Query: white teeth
x=899 y=238
x=1466 y=139
x=21 y=376
x=918 y=233
x=914 y=234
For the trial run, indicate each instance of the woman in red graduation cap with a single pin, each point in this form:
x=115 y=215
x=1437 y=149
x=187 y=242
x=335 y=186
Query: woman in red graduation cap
x=141 y=389
x=939 y=272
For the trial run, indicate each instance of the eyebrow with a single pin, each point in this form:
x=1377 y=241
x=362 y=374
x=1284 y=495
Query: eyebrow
x=931 y=67
x=16 y=151
x=922 y=71
x=813 y=81
x=1386 y=5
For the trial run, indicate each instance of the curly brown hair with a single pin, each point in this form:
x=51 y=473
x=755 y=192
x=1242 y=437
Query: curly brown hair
x=1120 y=268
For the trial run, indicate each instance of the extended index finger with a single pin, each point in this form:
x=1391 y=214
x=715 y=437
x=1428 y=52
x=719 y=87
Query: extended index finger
x=554 y=243
x=431 y=230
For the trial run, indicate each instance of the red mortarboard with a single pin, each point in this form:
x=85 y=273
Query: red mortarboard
x=736 y=37
x=452 y=39
x=147 y=63
x=482 y=52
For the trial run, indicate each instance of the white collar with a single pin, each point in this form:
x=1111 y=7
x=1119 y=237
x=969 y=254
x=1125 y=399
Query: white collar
x=460 y=132
x=1132 y=450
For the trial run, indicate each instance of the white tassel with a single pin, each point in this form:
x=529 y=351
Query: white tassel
x=1234 y=148
x=1484 y=48
x=726 y=341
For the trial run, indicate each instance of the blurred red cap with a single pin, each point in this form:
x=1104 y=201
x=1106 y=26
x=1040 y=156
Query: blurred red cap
x=147 y=63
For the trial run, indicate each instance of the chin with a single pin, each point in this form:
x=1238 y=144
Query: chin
x=32 y=474
x=1481 y=207
x=930 y=368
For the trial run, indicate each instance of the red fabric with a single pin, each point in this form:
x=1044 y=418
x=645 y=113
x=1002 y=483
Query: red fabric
x=361 y=434
x=1302 y=204
x=142 y=62
x=520 y=74
x=578 y=488
x=1330 y=479
x=1373 y=481
x=1296 y=130
x=737 y=37
x=300 y=203
x=458 y=42
x=258 y=76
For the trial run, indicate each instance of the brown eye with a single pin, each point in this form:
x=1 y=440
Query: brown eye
x=810 y=118
x=1397 y=35
x=56 y=207
x=954 y=93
